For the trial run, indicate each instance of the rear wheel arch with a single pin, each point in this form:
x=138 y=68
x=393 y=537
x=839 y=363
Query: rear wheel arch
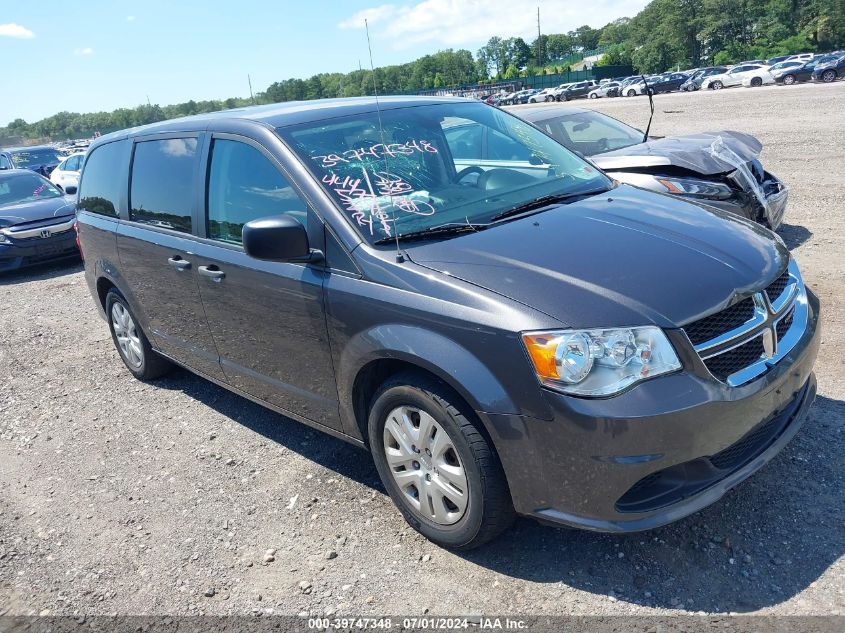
x=104 y=284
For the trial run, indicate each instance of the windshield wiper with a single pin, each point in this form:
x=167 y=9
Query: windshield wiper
x=545 y=201
x=442 y=230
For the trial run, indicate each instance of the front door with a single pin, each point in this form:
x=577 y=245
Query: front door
x=156 y=251
x=267 y=318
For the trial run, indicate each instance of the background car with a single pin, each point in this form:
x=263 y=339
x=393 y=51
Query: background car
x=828 y=71
x=801 y=73
x=695 y=80
x=38 y=158
x=758 y=78
x=578 y=90
x=36 y=220
x=607 y=89
x=668 y=82
x=636 y=88
x=732 y=77
x=542 y=96
x=66 y=174
x=730 y=178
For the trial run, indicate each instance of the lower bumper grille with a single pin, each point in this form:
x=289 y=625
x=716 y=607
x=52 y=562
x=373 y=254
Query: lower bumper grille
x=676 y=483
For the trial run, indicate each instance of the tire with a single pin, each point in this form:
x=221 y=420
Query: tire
x=788 y=80
x=717 y=85
x=756 y=82
x=593 y=95
x=549 y=98
x=631 y=93
x=828 y=76
x=131 y=342
x=564 y=97
x=402 y=408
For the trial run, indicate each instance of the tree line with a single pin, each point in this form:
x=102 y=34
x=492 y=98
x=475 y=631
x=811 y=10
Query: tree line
x=666 y=34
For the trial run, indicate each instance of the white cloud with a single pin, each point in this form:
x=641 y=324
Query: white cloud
x=83 y=51
x=473 y=22
x=130 y=18
x=16 y=31
x=372 y=15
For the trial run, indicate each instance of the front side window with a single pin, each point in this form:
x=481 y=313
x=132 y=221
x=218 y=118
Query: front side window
x=162 y=189
x=29 y=187
x=99 y=190
x=4 y=162
x=397 y=175
x=72 y=164
x=244 y=185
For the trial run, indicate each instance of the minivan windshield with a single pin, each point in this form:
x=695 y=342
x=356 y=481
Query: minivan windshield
x=418 y=169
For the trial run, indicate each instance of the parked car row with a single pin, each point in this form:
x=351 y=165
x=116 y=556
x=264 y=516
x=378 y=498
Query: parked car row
x=753 y=73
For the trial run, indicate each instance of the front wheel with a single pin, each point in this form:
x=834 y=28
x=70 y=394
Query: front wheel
x=632 y=93
x=593 y=95
x=828 y=76
x=440 y=471
x=549 y=98
x=717 y=85
x=788 y=80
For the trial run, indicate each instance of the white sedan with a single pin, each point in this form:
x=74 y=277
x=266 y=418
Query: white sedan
x=758 y=78
x=733 y=77
x=66 y=173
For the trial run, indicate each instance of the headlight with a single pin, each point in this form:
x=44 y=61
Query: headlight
x=696 y=188
x=599 y=362
x=4 y=239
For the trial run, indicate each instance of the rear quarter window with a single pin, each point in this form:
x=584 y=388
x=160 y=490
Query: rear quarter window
x=99 y=190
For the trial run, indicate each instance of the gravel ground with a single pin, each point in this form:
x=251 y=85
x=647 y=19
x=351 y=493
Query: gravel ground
x=179 y=497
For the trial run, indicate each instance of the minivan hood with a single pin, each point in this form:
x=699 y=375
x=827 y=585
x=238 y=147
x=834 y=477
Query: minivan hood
x=623 y=258
x=688 y=152
x=34 y=210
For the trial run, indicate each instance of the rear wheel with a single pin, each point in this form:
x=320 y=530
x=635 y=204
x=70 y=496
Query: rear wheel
x=593 y=95
x=717 y=85
x=756 y=82
x=789 y=80
x=828 y=76
x=131 y=342
x=440 y=471
x=632 y=92
x=549 y=98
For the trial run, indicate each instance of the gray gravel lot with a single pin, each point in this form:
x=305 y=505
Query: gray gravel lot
x=179 y=497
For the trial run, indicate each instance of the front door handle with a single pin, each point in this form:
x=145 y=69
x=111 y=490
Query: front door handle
x=178 y=263
x=212 y=272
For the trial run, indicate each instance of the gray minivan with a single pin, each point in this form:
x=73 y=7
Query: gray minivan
x=515 y=335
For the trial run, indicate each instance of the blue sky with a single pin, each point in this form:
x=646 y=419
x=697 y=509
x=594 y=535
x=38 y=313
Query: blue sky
x=92 y=55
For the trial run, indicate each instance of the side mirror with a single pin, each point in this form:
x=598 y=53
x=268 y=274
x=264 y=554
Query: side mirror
x=70 y=190
x=278 y=238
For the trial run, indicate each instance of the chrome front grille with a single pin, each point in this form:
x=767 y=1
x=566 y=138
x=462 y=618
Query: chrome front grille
x=741 y=342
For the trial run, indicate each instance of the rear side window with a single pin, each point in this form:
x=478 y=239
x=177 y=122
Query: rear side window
x=244 y=185
x=99 y=191
x=162 y=189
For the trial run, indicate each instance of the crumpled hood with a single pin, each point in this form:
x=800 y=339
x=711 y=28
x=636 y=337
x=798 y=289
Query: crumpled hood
x=34 y=210
x=688 y=152
x=623 y=258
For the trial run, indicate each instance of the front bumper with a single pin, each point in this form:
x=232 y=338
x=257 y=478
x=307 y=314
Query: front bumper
x=580 y=467
x=20 y=253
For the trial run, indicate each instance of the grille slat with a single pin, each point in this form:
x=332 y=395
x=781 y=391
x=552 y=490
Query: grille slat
x=785 y=323
x=738 y=358
x=776 y=288
x=714 y=325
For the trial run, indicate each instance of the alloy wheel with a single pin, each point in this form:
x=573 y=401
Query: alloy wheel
x=126 y=334
x=717 y=85
x=828 y=76
x=425 y=465
x=789 y=80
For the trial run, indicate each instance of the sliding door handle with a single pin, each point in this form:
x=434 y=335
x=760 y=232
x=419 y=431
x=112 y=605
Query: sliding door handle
x=211 y=272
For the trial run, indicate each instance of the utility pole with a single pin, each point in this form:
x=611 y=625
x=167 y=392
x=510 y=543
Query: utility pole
x=539 y=56
x=251 y=96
